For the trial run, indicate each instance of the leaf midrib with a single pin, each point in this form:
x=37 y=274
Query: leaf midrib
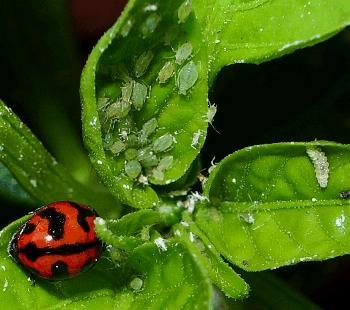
x=256 y=207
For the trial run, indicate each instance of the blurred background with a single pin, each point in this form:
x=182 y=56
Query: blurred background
x=300 y=97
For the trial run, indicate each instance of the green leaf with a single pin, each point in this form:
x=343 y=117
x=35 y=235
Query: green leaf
x=176 y=100
x=94 y=287
x=171 y=279
x=42 y=177
x=221 y=274
x=10 y=189
x=255 y=31
x=268 y=208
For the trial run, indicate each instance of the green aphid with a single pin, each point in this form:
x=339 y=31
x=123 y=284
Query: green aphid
x=130 y=154
x=102 y=103
x=165 y=163
x=149 y=127
x=127 y=90
x=133 y=169
x=142 y=63
x=139 y=95
x=126 y=28
x=183 y=53
x=163 y=143
x=150 y=24
x=158 y=174
x=187 y=77
x=171 y=34
x=118 y=109
x=144 y=153
x=132 y=141
x=212 y=109
x=150 y=161
x=147 y=157
x=184 y=11
x=117 y=147
x=166 y=72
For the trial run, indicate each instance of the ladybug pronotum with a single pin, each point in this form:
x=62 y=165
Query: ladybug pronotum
x=58 y=241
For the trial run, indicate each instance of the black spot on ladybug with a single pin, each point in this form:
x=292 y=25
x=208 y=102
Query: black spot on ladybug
x=28 y=228
x=83 y=213
x=56 y=222
x=59 y=269
x=33 y=252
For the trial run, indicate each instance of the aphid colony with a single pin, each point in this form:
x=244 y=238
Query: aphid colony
x=144 y=151
x=141 y=149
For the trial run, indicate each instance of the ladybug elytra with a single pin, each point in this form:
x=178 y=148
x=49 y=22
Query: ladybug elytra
x=58 y=241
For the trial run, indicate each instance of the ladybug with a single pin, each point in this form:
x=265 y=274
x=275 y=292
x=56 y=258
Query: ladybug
x=58 y=241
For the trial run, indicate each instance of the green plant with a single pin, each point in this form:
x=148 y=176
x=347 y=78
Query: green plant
x=145 y=116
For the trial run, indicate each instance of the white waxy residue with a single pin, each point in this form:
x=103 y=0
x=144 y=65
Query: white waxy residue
x=160 y=243
x=339 y=222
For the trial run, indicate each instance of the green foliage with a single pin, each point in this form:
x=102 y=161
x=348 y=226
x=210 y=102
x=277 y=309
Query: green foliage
x=43 y=178
x=145 y=115
x=179 y=106
x=170 y=279
x=268 y=209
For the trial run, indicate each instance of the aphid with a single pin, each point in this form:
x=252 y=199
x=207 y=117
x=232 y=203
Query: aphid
x=166 y=72
x=133 y=169
x=319 y=160
x=195 y=139
x=247 y=217
x=136 y=284
x=139 y=95
x=142 y=63
x=58 y=241
x=117 y=147
x=187 y=77
x=345 y=194
x=212 y=109
x=149 y=127
x=150 y=24
x=158 y=174
x=183 y=52
x=163 y=143
x=184 y=11
x=130 y=154
x=170 y=35
x=147 y=157
x=165 y=163
x=118 y=109
x=132 y=141
x=127 y=89
x=126 y=28
x=102 y=103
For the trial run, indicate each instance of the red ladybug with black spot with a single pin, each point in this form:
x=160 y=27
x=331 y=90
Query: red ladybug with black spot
x=58 y=241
